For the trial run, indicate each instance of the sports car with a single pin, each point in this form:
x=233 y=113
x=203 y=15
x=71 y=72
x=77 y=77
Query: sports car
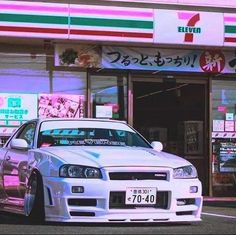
x=95 y=170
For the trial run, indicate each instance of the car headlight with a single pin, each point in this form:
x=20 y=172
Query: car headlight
x=76 y=171
x=185 y=172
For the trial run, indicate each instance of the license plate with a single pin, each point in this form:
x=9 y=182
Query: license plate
x=140 y=196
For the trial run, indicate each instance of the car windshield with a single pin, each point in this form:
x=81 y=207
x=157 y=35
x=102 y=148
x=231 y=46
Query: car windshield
x=88 y=133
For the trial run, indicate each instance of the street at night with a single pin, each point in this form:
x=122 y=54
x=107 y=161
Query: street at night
x=217 y=219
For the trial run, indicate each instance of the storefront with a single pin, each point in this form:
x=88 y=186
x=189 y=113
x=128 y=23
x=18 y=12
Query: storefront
x=176 y=86
x=223 y=137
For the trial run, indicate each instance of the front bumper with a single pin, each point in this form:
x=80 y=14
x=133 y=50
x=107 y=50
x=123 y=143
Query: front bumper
x=176 y=202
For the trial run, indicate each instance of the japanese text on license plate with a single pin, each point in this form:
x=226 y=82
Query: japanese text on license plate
x=140 y=196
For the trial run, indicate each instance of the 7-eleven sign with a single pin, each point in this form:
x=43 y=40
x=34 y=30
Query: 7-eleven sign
x=188 y=27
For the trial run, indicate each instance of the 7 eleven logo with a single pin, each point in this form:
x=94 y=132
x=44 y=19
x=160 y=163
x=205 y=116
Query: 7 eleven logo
x=190 y=29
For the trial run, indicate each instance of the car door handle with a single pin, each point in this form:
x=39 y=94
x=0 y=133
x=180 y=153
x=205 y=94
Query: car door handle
x=8 y=158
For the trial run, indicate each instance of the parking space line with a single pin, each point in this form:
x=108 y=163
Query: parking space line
x=218 y=215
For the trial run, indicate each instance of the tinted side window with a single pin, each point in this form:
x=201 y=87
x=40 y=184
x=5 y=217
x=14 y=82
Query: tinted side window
x=27 y=134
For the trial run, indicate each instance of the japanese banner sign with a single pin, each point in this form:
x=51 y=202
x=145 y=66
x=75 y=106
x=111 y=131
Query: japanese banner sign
x=85 y=56
x=17 y=108
x=208 y=61
x=188 y=27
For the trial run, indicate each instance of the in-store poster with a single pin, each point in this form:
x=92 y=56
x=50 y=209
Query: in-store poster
x=227 y=157
x=229 y=116
x=103 y=111
x=60 y=105
x=218 y=125
x=229 y=125
x=17 y=108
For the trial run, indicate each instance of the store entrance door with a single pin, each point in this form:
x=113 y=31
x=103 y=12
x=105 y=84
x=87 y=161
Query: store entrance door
x=175 y=113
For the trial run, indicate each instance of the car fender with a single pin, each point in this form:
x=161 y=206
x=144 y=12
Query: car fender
x=46 y=164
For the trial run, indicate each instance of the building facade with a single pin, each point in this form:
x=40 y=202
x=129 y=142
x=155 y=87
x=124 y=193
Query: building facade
x=165 y=67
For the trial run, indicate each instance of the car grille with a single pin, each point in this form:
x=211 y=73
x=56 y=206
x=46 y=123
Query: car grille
x=138 y=175
x=117 y=201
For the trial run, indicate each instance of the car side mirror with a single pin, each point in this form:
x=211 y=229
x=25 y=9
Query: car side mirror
x=156 y=145
x=19 y=144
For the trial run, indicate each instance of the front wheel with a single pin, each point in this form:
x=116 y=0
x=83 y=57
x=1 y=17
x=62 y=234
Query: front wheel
x=34 y=199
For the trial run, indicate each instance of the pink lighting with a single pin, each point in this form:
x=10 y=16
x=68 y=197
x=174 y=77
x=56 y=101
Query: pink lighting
x=186 y=15
x=231 y=19
x=111 y=11
x=22 y=6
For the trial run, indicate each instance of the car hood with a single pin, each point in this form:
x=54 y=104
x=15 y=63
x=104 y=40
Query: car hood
x=97 y=156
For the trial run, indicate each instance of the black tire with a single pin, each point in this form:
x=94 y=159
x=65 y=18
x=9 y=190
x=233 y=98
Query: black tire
x=35 y=199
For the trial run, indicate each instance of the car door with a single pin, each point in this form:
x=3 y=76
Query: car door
x=15 y=163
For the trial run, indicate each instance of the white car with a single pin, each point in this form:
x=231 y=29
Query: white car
x=93 y=170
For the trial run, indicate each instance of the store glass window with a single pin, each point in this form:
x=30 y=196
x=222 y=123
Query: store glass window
x=68 y=96
x=23 y=73
x=23 y=76
x=224 y=138
x=109 y=96
x=66 y=82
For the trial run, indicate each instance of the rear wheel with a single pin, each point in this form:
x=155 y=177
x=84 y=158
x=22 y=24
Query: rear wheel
x=34 y=199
